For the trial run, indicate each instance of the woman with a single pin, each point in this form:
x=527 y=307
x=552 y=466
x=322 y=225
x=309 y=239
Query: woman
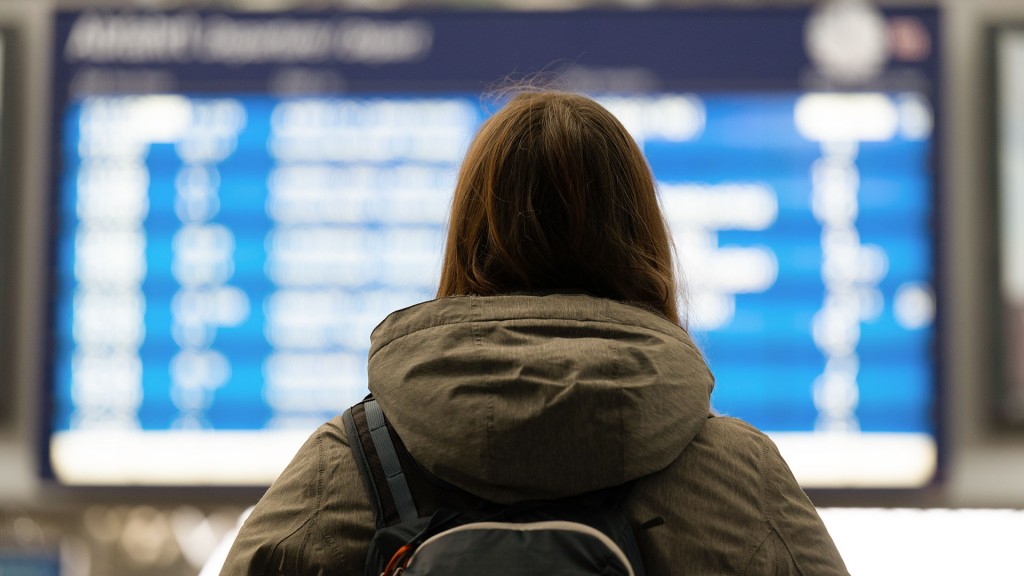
x=553 y=363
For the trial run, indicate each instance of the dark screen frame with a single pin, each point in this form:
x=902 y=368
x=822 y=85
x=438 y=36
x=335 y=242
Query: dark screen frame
x=10 y=208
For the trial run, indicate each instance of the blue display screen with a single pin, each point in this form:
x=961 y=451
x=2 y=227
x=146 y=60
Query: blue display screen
x=222 y=255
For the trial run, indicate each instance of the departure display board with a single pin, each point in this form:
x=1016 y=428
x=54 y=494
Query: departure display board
x=240 y=198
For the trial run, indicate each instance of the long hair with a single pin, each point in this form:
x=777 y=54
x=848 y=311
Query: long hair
x=554 y=194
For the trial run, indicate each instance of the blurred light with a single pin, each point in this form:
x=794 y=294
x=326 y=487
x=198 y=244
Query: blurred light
x=840 y=458
x=103 y=382
x=203 y=254
x=199 y=370
x=27 y=532
x=710 y=310
x=110 y=257
x=940 y=542
x=914 y=306
x=109 y=319
x=751 y=206
x=909 y=40
x=847 y=40
x=146 y=537
x=433 y=130
x=104 y=524
x=312 y=382
x=916 y=122
x=112 y=194
x=76 y=555
x=674 y=118
x=194 y=533
x=837 y=117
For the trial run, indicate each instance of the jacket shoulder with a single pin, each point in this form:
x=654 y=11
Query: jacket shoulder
x=314 y=519
x=729 y=504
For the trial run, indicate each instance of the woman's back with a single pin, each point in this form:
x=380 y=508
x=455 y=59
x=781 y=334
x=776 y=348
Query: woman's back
x=530 y=397
x=553 y=363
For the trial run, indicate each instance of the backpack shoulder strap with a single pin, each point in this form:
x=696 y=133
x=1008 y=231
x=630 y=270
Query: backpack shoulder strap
x=373 y=445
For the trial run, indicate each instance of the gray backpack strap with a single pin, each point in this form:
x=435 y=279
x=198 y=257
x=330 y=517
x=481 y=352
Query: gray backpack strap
x=389 y=461
x=377 y=460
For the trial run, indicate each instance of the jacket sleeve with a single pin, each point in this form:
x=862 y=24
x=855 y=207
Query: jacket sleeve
x=799 y=542
x=314 y=520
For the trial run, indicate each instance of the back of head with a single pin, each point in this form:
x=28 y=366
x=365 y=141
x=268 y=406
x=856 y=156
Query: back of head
x=554 y=195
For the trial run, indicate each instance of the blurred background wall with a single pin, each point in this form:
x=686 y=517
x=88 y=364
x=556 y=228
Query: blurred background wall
x=110 y=531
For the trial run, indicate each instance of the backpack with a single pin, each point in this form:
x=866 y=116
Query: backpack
x=446 y=531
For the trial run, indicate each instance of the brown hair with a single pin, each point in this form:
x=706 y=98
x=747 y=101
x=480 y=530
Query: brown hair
x=554 y=194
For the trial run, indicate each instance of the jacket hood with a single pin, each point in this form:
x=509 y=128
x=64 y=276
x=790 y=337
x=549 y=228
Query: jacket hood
x=531 y=397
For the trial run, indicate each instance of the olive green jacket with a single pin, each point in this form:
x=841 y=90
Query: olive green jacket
x=527 y=397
